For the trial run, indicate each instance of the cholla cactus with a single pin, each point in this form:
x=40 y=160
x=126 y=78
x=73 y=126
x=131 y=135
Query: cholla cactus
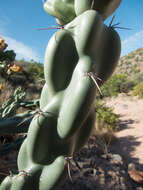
x=7 y=58
x=3 y=45
x=11 y=123
x=10 y=106
x=83 y=50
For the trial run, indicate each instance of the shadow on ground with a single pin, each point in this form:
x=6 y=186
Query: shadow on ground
x=125 y=146
x=100 y=171
x=124 y=124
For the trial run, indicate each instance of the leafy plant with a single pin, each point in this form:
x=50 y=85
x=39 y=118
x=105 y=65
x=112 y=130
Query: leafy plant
x=138 y=90
x=32 y=70
x=105 y=116
x=137 y=59
x=118 y=83
x=140 y=53
x=138 y=78
x=35 y=71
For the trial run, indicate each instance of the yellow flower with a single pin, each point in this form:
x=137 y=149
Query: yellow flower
x=1 y=86
x=1 y=40
x=15 y=68
x=2 y=44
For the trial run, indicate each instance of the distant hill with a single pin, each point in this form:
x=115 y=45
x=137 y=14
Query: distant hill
x=131 y=63
x=31 y=71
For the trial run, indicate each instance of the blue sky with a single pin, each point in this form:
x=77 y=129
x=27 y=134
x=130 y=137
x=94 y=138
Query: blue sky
x=19 y=21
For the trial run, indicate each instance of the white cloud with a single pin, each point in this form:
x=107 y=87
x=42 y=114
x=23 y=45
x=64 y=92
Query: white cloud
x=132 y=43
x=21 y=50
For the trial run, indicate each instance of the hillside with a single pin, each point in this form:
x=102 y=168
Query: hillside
x=131 y=63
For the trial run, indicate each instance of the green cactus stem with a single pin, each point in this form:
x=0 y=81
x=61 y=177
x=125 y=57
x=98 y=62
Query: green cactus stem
x=84 y=47
x=16 y=124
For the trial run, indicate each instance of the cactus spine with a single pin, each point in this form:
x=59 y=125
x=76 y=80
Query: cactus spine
x=66 y=119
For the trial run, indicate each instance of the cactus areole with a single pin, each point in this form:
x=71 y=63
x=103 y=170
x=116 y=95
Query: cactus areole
x=85 y=48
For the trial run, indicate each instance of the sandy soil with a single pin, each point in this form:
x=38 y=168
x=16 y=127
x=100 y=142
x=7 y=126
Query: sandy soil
x=130 y=135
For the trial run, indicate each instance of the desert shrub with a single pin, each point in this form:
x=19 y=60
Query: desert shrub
x=118 y=83
x=103 y=138
x=130 y=57
x=105 y=117
x=138 y=90
x=140 y=53
x=33 y=70
x=127 y=86
x=138 y=78
x=137 y=59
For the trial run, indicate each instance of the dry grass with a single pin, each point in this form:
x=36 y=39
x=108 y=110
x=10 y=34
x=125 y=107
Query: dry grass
x=6 y=92
x=104 y=137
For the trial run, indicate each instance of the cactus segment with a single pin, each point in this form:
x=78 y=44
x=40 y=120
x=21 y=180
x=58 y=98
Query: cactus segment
x=84 y=48
x=112 y=49
x=62 y=10
x=104 y=7
x=68 y=10
x=6 y=184
x=52 y=173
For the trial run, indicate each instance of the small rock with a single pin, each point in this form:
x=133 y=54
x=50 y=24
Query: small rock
x=116 y=159
x=123 y=171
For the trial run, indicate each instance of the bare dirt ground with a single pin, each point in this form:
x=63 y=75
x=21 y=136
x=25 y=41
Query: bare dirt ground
x=95 y=169
x=129 y=142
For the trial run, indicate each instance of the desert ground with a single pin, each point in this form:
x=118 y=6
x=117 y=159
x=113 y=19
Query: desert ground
x=130 y=134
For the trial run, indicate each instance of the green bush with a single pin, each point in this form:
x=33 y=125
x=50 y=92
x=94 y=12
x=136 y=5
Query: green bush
x=105 y=115
x=127 y=86
x=140 y=53
x=138 y=78
x=138 y=90
x=137 y=59
x=35 y=71
x=32 y=70
x=118 y=83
